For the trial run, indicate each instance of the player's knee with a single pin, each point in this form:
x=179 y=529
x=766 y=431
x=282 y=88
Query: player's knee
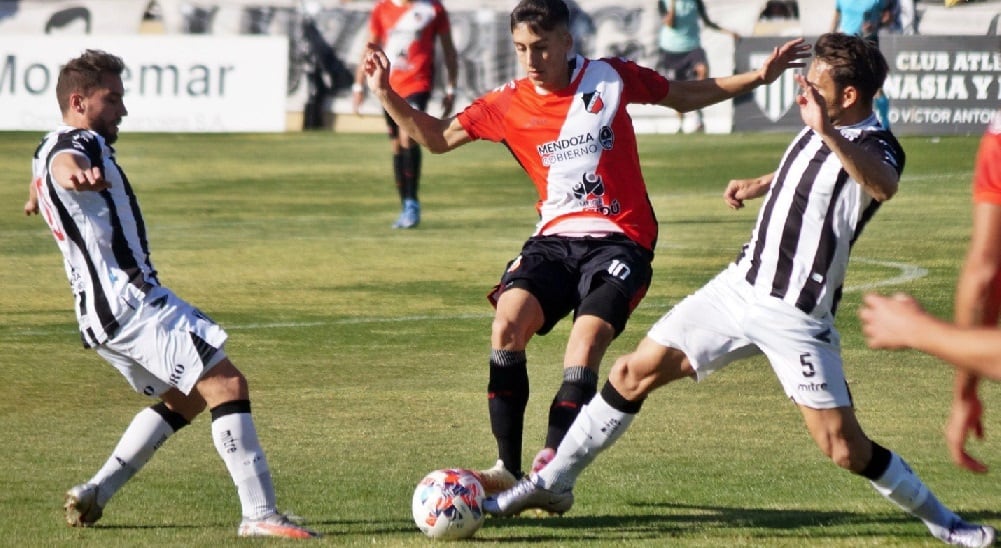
x=508 y=334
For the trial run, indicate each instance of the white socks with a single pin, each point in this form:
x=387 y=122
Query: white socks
x=236 y=441
x=141 y=439
x=597 y=427
x=905 y=489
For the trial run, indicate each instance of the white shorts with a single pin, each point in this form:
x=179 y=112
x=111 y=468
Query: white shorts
x=165 y=343
x=725 y=321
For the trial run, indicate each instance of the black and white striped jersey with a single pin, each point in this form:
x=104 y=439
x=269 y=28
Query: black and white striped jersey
x=810 y=218
x=101 y=234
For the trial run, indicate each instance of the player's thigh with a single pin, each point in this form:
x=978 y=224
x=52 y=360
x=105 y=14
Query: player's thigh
x=615 y=275
x=541 y=270
x=171 y=341
x=804 y=352
x=708 y=326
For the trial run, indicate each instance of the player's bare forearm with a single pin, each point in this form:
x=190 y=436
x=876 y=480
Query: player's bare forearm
x=738 y=190
x=899 y=322
x=877 y=178
x=74 y=172
x=429 y=131
x=685 y=96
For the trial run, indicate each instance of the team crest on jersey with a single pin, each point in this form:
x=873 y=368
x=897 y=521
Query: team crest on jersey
x=590 y=193
x=593 y=102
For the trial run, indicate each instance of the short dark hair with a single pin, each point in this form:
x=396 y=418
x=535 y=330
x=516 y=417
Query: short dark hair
x=83 y=74
x=854 y=61
x=541 y=15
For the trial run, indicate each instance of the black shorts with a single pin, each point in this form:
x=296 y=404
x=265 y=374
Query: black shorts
x=604 y=277
x=681 y=65
x=417 y=100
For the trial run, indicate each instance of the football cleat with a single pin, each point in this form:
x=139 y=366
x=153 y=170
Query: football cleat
x=82 y=509
x=542 y=458
x=497 y=479
x=274 y=525
x=525 y=495
x=970 y=535
x=410 y=217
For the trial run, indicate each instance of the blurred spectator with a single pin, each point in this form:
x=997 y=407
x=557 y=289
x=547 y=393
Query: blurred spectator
x=864 y=18
x=903 y=18
x=679 y=43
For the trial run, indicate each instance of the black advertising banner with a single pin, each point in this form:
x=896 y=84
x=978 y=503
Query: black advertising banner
x=937 y=85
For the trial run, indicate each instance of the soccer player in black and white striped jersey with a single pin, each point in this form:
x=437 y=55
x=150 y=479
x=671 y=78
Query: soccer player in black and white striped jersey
x=778 y=299
x=163 y=346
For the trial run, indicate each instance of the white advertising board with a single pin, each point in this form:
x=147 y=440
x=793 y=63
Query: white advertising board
x=172 y=83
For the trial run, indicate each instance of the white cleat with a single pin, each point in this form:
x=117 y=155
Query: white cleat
x=526 y=494
x=275 y=525
x=81 y=506
x=970 y=535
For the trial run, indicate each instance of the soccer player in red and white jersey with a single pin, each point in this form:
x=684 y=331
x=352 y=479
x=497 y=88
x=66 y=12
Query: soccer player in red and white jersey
x=777 y=299
x=973 y=344
x=163 y=346
x=591 y=252
x=407 y=31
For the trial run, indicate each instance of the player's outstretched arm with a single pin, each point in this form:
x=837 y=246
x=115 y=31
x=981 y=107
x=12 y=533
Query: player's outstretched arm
x=435 y=134
x=976 y=303
x=74 y=172
x=899 y=322
x=685 y=96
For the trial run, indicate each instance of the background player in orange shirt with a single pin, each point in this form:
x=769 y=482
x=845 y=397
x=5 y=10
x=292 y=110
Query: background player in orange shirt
x=407 y=29
x=899 y=322
x=591 y=253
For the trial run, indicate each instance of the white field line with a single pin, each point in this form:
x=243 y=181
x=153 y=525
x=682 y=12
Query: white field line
x=908 y=272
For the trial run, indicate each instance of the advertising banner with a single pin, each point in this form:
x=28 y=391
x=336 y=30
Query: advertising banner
x=172 y=83
x=937 y=85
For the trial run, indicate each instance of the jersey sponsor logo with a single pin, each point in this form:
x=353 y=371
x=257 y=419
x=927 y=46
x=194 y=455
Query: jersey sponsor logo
x=569 y=148
x=590 y=195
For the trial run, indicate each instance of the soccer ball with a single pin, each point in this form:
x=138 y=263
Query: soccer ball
x=448 y=504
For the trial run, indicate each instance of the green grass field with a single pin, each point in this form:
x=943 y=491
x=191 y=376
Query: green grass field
x=366 y=351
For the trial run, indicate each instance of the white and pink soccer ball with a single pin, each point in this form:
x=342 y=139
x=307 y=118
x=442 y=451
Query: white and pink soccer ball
x=448 y=504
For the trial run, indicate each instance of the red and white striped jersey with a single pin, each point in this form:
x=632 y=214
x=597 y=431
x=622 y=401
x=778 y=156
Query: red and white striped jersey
x=578 y=146
x=407 y=34
x=101 y=234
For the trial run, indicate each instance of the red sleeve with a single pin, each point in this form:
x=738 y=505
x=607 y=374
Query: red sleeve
x=987 y=170
x=485 y=117
x=641 y=84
